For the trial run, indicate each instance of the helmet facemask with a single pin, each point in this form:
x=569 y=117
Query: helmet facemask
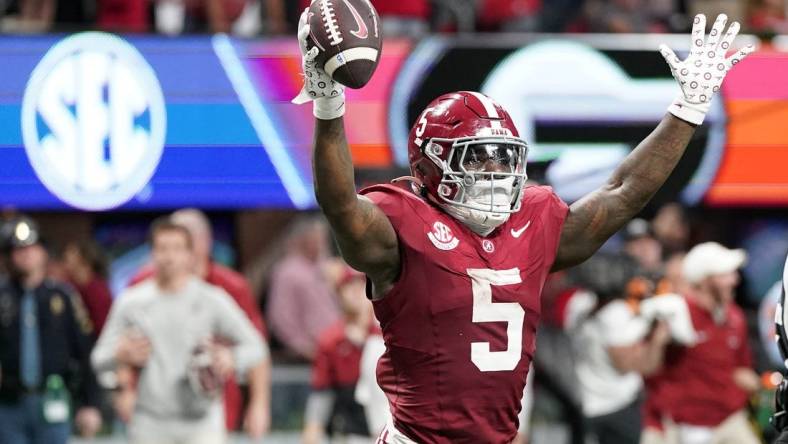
x=483 y=178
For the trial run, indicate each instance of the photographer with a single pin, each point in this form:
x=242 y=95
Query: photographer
x=614 y=347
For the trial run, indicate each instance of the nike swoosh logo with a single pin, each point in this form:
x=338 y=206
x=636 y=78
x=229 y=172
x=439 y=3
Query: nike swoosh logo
x=517 y=233
x=362 y=31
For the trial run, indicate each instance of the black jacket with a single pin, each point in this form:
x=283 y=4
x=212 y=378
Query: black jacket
x=65 y=335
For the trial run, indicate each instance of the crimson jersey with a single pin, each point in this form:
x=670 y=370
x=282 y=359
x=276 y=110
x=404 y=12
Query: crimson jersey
x=460 y=322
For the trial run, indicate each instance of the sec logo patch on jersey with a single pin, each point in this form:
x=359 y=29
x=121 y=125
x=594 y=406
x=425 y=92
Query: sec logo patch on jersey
x=442 y=237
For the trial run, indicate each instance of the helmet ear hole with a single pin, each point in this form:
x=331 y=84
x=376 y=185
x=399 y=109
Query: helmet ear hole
x=424 y=170
x=434 y=149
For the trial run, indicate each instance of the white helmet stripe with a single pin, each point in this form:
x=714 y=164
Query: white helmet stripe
x=489 y=106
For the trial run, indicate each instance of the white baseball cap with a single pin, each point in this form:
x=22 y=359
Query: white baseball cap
x=710 y=258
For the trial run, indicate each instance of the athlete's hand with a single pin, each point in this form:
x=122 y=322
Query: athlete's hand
x=327 y=95
x=133 y=349
x=701 y=73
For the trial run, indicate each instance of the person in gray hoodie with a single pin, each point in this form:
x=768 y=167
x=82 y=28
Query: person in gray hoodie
x=165 y=330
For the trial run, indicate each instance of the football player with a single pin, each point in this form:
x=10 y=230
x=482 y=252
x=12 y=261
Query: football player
x=456 y=263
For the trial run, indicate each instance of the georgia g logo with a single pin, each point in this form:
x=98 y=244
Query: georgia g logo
x=93 y=121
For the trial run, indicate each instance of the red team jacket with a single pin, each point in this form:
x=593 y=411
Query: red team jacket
x=696 y=383
x=460 y=322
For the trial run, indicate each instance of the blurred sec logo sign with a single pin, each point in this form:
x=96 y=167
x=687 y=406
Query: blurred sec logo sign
x=93 y=121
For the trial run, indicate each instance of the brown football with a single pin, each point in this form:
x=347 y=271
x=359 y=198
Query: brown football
x=347 y=32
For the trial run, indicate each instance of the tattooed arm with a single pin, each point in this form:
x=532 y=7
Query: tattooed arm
x=597 y=216
x=364 y=234
x=594 y=218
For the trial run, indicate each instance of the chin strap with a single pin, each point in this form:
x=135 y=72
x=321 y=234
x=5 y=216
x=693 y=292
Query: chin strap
x=466 y=217
x=412 y=179
x=416 y=184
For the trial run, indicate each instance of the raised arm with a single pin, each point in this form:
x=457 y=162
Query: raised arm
x=597 y=216
x=365 y=236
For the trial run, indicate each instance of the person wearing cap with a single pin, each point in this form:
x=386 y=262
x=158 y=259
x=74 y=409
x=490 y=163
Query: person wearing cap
x=332 y=406
x=45 y=341
x=704 y=386
x=640 y=244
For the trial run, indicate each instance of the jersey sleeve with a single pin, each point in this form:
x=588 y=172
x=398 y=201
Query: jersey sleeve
x=619 y=326
x=405 y=210
x=555 y=214
x=402 y=208
x=552 y=212
x=390 y=200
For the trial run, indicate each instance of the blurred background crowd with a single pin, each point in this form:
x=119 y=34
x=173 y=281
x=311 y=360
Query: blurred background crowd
x=274 y=337
x=603 y=369
x=400 y=17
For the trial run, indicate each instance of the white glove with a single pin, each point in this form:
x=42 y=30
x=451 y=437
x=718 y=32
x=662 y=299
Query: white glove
x=701 y=74
x=672 y=309
x=328 y=96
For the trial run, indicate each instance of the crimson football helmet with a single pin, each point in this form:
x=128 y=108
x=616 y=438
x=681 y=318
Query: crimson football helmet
x=468 y=156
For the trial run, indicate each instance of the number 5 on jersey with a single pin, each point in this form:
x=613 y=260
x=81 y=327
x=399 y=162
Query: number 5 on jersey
x=485 y=310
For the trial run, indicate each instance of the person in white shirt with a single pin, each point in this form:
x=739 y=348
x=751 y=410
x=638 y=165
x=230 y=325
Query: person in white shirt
x=165 y=329
x=614 y=347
